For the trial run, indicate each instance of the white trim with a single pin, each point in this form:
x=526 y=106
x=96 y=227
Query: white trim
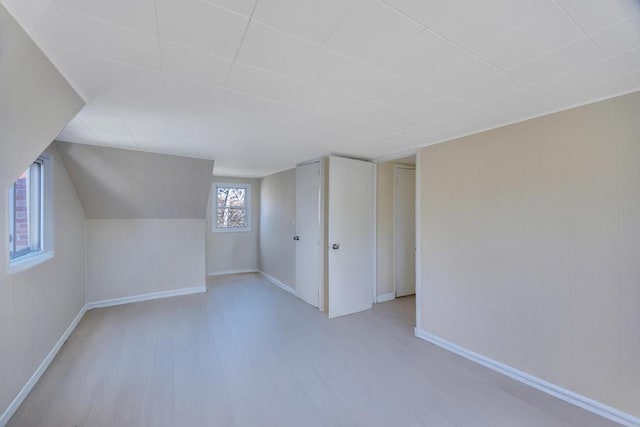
x=394 y=191
x=27 y=261
x=396 y=155
x=227 y=272
x=308 y=162
x=147 y=297
x=247 y=207
x=15 y=404
x=535 y=382
x=386 y=297
x=418 y=240
x=374 y=235
x=322 y=285
x=278 y=283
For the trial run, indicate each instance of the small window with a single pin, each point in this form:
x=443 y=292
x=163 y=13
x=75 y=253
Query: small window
x=29 y=217
x=231 y=207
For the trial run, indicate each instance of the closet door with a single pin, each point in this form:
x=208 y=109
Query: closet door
x=351 y=231
x=308 y=230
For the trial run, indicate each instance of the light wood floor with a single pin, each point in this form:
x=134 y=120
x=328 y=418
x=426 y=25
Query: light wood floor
x=250 y=354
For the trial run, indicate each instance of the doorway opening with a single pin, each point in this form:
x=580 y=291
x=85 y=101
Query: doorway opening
x=396 y=235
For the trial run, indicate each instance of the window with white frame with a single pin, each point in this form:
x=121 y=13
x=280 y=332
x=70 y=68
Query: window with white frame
x=28 y=215
x=231 y=207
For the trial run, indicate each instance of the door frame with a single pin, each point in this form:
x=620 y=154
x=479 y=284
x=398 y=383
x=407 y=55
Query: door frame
x=374 y=235
x=322 y=276
x=418 y=245
x=396 y=167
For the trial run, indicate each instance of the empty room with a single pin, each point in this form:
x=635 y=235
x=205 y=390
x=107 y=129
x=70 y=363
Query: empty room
x=319 y=213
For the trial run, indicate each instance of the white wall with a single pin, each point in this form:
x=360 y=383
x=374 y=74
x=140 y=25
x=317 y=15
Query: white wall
x=234 y=251
x=114 y=183
x=384 y=223
x=130 y=257
x=37 y=305
x=278 y=226
x=530 y=240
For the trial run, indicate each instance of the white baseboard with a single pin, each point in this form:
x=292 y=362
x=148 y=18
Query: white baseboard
x=224 y=273
x=147 y=297
x=535 y=382
x=278 y=283
x=386 y=297
x=15 y=404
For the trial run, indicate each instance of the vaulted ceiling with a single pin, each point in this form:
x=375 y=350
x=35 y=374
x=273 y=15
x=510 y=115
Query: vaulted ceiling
x=259 y=85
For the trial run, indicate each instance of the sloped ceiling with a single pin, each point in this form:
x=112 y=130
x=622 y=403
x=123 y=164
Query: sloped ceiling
x=260 y=85
x=114 y=183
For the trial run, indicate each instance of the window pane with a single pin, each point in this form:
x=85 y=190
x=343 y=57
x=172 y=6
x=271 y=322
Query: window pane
x=21 y=214
x=232 y=218
x=26 y=215
x=231 y=197
x=34 y=206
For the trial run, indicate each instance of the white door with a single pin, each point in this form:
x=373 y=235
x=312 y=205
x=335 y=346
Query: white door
x=350 y=222
x=308 y=233
x=404 y=230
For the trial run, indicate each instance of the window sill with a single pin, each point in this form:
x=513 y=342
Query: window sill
x=28 y=261
x=231 y=230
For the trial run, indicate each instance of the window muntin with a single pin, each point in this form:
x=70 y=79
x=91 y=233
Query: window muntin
x=231 y=207
x=26 y=212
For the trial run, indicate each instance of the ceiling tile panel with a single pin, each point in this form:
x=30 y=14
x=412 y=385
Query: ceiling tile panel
x=620 y=37
x=201 y=25
x=314 y=97
x=458 y=75
x=260 y=86
x=427 y=12
x=382 y=115
x=126 y=78
x=340 y=124
x=332 y=70
x=275 y=51
x=595 y=91
x=421 y=55
x=384 y=88
x=107 y=124
x=515 y=99
x=496 y=85
x=254 y=81
x=446 y=108
x=114 y=41
x=634 y=78
x=243 y=7
x=48 y=24
x=593 y=15
x=527 y=41
x=78 y=131
x=372 y=31
x=627 y=62
x=312 y=20
x=475 y=23
x=575 y=55
x=208 y=98
x=149 y=134
x=578 y=78
x=193 y=64
x=134 y=14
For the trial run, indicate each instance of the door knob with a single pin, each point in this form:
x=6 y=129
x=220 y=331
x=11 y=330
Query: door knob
x=335 y=246
x=296 y=238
